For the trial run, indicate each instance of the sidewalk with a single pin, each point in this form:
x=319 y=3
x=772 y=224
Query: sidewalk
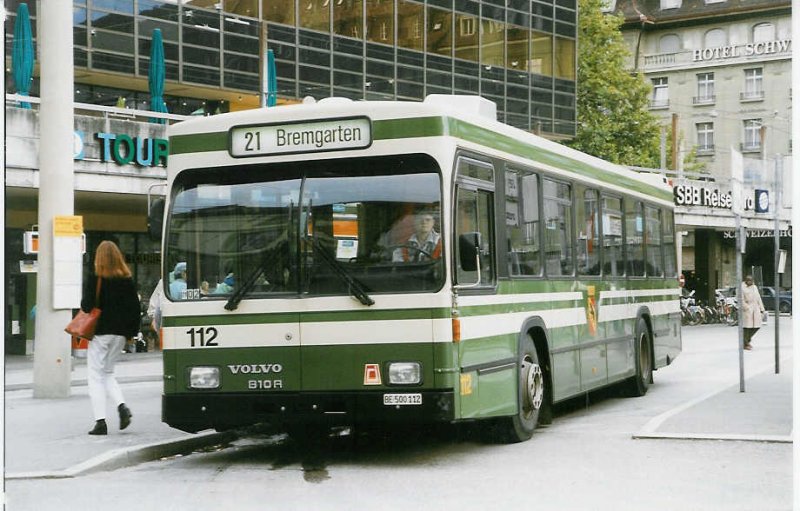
x=47 y=438
x=763 y=413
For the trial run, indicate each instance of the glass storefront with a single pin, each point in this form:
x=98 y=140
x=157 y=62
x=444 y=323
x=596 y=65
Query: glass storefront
x=511 y=52
x=141 y=253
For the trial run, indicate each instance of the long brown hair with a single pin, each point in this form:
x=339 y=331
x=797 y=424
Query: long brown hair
x=109 y=261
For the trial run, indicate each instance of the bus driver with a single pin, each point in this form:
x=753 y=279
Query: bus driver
x=424 y=244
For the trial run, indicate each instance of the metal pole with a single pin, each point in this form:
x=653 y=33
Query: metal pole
x=739 y=327
x=778 y=179
x=52 y=351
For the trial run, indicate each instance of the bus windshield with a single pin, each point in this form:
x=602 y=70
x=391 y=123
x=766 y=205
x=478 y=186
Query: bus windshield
x=336 y=227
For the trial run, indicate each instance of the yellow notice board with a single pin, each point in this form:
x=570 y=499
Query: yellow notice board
x=67 y=261
x=69 y=226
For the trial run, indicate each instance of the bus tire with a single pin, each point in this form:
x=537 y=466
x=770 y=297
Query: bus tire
x=530 y=395
x=638 y=384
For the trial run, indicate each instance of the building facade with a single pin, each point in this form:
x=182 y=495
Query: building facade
x=521 y=54
x=721 y=78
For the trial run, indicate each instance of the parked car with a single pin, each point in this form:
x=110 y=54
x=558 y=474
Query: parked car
x=784 y=299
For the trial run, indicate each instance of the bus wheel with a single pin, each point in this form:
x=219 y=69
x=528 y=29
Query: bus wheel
x=637 y=386
x=531 y=395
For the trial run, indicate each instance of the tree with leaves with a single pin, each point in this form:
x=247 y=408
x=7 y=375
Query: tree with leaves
x=614 y=122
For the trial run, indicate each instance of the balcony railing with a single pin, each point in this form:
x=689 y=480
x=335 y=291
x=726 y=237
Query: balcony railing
x=658 y=104
x=754 y=95
x=108 y=112
x=750 y=147
x=704 y=100
x=705 y=150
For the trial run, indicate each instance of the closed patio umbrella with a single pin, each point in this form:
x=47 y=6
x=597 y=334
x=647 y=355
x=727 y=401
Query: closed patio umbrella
x=22 y=53
x=155 y=76
x=272 y=80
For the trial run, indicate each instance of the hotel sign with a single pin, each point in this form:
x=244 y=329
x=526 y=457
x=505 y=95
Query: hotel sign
x=742 y=50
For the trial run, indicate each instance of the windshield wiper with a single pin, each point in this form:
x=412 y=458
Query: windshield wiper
x=267 y=260
x=355 y=287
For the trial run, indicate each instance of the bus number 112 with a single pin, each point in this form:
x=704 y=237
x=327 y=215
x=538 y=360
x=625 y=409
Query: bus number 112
x=207 y=336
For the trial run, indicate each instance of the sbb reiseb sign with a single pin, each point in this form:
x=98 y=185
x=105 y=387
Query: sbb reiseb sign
x=687 y=195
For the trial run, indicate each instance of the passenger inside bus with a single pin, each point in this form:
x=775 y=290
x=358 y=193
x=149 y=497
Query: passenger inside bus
x=425 y=243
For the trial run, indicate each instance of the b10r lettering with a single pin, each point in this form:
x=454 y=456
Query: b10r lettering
x=204 y=336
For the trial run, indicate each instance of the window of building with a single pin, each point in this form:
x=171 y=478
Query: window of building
x=541 y=53
x=492 y=43
x=440 y=31
x=753 y=83
x=517 y=48
x=669 y=43
x=763 y=32
x=705 y=88
x=409 y=28
x=670 y=4
x=715 y=38
x=565 y=58
x=608 y=5
x=660 y=92
x=347 y=18
x=380 y=21
x=752 y=135
x=278 y=11
x=315 y=14
x=705 y=136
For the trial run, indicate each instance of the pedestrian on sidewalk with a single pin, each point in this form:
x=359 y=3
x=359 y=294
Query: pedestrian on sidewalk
x=119 y=320
x=752 y=310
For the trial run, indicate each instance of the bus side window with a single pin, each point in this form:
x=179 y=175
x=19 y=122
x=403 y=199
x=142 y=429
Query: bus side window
x=668 y=237
x=655 y=260
x=558 y=235
x=613 y=265
x=522 y=223
x=634 y=238
x=588 y=249
x=474 y=222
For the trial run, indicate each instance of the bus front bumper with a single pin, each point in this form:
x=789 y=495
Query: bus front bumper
x=221 y=411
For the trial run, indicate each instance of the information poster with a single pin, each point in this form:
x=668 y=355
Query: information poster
x=67 y=261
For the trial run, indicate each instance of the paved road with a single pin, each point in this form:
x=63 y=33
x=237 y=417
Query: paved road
x=588 y=459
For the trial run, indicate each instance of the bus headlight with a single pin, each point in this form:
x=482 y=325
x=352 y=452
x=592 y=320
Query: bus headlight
x=204 y=377
x=405 y=373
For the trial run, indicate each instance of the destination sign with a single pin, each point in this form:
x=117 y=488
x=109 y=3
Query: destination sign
x=333 y=135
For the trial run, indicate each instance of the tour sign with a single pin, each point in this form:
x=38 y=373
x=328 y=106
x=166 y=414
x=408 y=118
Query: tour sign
x=305 y=137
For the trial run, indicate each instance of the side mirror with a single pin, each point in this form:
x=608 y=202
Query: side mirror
x=468 y=246
x=155 y=219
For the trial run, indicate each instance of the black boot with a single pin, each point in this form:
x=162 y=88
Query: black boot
x=99 y=428
x=124 y=416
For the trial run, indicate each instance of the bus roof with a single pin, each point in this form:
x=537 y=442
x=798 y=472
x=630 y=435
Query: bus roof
x=470 y=118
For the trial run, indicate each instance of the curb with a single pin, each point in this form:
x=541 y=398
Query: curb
x=780 y=439
x=9 y=387
x=129 y=456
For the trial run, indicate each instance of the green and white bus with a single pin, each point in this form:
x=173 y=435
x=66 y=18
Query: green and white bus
x=304 y=285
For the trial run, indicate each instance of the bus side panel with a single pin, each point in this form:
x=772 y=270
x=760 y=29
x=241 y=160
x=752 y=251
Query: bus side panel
x=667 y=341
x=488 y=385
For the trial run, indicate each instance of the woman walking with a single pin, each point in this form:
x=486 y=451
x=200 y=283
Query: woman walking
x=112 y=290
x=752 y=310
